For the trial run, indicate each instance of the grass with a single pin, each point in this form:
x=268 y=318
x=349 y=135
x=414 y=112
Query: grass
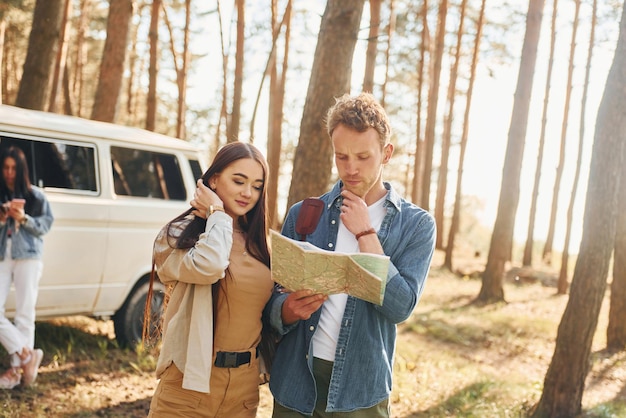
x=453 y=359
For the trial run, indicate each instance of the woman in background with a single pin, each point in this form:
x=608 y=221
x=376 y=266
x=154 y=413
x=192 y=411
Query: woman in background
x=215 y=260
x=25 y=216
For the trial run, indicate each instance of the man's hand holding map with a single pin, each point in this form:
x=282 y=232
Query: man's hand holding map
x=301 y=265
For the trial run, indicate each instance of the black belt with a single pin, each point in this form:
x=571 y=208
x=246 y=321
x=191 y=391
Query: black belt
x=230 y=359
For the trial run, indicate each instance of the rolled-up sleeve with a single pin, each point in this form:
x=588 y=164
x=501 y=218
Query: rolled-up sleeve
x=204 y=263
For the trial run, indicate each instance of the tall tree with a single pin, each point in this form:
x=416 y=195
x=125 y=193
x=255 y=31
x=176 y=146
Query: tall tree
x=547 y=249
x=502 y=237
x=42 y=45
x=418 y=164
x=372 y=46
x=113 y=58
x=275 y=115
x=433 y=95
x=60 y=61
x=153 y=70
x=456 y=212
x=336 y=42
x=565 y=380
x=528 y=248
x=235 y=113
x=562 y=283
x=223 y=120
x=391 y=27
x=616 y=330
x=446 y=138
x=181 y=65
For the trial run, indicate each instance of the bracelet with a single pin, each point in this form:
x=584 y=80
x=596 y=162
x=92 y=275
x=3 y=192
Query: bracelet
x=212 y=209
x=366 y=232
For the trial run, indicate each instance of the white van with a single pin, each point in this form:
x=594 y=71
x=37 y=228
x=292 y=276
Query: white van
x=111 y=188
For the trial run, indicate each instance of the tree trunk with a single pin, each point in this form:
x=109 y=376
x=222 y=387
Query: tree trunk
x=153 y=69
x=330 y=78
x=274 y=134
x=433 y=95
x=563 y=284
x=528 y=248
x=61 y=56
x=235 y=114
x=547 y=250
x=391 y=28
x=502 y=236
x=181 y=63
x=616 y=330
x=113 y=58
x=224 y=106
x=416 y=191
x=446 y=138
x=456 y=214
x=372 y=46
x=565 y=380
x=42 y=45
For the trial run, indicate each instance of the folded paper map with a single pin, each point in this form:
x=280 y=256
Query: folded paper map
x=300 y=265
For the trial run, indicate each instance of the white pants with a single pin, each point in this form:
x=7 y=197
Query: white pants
x=25 y=275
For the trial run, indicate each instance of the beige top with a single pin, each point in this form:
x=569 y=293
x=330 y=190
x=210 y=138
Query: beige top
x=243 y=295
x=188 y=320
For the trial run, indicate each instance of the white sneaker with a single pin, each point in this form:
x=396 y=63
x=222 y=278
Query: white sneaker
x=31 y=368
x=10 y=378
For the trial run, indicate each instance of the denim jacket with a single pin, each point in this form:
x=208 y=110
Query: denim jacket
x=26 y=241
x=362 y=370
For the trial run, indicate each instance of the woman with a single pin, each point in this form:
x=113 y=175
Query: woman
x=25 y=217
x=215 y=260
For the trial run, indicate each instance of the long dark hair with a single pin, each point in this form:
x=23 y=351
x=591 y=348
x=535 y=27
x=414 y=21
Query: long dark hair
x=254 y=223
x=22 y=187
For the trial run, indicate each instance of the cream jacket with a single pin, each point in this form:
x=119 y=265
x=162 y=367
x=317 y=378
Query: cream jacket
x=188 y=321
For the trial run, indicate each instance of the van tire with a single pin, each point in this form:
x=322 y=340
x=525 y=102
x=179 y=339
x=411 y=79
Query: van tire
x=128 y=320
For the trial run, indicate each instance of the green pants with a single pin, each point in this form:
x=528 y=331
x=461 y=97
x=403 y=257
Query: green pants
x=322 y=371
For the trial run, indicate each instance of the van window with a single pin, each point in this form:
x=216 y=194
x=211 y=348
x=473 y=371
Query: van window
x=142 y=173
x=58 y=164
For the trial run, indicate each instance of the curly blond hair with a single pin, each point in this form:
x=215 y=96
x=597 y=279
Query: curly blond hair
x=360 y=113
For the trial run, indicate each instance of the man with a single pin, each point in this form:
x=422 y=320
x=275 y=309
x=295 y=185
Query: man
x=339 y=359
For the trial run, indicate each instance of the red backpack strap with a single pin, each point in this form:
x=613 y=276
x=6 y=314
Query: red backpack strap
x=309 y=216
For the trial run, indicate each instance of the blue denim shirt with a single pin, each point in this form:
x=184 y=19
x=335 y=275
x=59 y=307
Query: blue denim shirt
x=362 y=371
x=26 y=241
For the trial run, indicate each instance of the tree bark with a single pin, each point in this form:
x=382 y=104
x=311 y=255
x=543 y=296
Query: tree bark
x=562 y=283
x=528 y=248
x=42 y=45
x=418 y=165
x=433 y=95
x=565 y=380
x=547 y=249
x=153 y=69
x=235 y=114
x=113 y=58
x=372 y=46
x=502 y=236
x=456 y=214
x=446 y=137
x=330 y=78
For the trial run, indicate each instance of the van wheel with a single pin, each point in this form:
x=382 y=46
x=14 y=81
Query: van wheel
x=128 y=321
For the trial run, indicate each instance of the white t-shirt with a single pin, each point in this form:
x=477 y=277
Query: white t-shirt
x=325 y=337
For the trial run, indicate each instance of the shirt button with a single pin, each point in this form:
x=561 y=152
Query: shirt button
x=311 y=328
x=332 y=222
x=330 y=245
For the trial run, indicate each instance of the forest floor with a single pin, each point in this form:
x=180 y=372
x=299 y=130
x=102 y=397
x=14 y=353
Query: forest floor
x=452 y=359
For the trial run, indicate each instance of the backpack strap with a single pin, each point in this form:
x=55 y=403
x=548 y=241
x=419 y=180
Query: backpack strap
x=309 y=216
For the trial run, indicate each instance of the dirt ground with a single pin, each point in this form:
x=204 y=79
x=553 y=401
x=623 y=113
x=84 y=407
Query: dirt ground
x=429 y=371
